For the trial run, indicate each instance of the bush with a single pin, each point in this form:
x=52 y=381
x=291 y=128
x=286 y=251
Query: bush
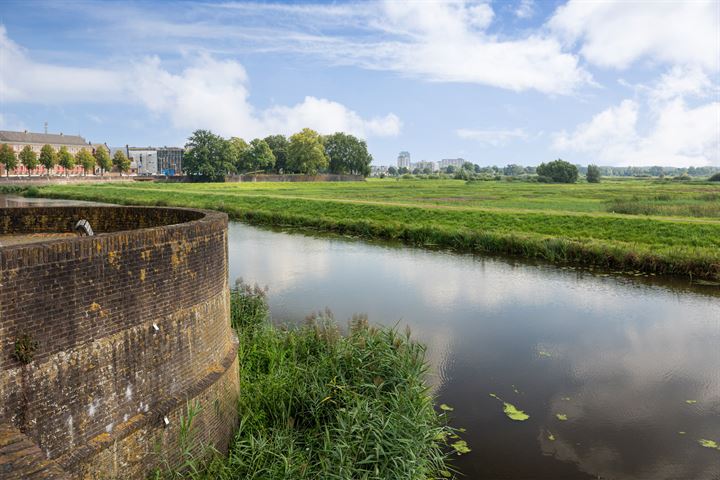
x=559 y=171
x=32 y=192
x=715 y=178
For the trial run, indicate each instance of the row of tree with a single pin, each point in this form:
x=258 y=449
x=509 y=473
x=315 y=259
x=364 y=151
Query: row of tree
x=49 y=158
x=211 y=157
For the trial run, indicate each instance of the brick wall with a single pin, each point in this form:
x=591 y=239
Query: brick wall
x=130 y=324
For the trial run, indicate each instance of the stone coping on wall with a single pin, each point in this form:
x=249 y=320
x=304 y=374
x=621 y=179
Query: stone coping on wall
x=14 y=220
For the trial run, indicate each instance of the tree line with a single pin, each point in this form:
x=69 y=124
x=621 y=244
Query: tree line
x=50 y=158
x=212 y=157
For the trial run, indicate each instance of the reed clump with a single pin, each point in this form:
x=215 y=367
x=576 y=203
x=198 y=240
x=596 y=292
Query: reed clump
x=316 y=404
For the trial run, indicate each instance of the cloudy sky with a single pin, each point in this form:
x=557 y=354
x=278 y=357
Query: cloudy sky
x=607 y=82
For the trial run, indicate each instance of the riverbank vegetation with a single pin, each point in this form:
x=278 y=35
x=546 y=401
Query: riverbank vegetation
x=318 y=404
x=660 y=227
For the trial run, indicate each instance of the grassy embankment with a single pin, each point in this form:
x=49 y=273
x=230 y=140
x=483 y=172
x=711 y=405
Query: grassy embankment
x=318 y=405
x=643 y=225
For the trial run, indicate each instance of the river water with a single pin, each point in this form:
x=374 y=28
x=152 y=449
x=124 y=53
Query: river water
x=619 y=356
x=633 y=362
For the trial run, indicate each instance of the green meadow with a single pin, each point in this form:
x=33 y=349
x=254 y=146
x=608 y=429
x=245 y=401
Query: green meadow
x=652 y=226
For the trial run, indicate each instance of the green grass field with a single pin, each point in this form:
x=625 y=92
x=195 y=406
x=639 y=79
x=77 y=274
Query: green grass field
x=645 y=225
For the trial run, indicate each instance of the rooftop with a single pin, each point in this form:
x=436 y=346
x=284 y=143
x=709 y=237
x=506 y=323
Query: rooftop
x=42 y=138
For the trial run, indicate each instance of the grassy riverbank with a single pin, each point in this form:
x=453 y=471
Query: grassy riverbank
x=650 y=226
x=319 y=405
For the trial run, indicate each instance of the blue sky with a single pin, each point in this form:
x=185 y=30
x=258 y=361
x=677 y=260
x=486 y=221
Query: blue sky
x=612 y=83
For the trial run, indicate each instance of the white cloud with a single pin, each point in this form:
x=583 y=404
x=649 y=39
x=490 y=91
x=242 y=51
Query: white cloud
x=22 y=80
x=616 y=33
x=447 y=42
x=615 y=125
x=526 y=9
x=680 y=134
x=494 y=138
x=208 y=93
x=433 y=40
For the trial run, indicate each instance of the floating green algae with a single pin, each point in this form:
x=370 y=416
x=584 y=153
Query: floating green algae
x=461 y=447
x=709 y=443
x=446 y=407
x=691 y=402
x=511 y=411
x=561 y=416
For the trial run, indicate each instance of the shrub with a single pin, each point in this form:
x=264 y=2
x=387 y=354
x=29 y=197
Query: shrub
x=32 y=192
x=715 y=178
x=559 y=171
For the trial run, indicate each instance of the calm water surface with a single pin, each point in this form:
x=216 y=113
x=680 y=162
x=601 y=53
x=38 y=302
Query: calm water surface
x=619 y=356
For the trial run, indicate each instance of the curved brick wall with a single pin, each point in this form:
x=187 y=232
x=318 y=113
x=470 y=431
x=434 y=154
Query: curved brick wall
x=131 y=324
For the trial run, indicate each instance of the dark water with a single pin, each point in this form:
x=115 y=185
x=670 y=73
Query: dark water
x=619 y=356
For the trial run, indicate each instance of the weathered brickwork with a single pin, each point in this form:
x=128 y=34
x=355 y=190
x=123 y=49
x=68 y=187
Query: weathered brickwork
x=130 y=325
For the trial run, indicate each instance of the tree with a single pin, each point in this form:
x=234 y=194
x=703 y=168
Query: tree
x=102 y=158
x=593 y=174
x=347 y=154
x=513 y=170
x=48 y=158
x=8 y=158
x=207 y=156
x=85 y=159
x=238 y=147
x=66 y=160
x=121 y=162
x=468 y=166
x=558 y=171
x=306 y=152
x=28 y=158
x=715 y=178
x=279 y=146
x=258 y=157
x=392 y=171
x=450 y=169
x=403 y=170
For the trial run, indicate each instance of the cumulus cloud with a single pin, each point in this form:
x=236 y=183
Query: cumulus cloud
x=448 y=42
x=680 y=133
x=208 y=93
x=494 y=138
x=616 y=33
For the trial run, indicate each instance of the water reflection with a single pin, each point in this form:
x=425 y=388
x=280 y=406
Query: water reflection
x=619 y=357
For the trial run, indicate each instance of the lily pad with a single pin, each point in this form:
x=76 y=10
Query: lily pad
x=551 y=437
x=446 y=408
x=461 y=447
x=709 y=443
x=543 y=353
x=561 y=416
x=691 y=402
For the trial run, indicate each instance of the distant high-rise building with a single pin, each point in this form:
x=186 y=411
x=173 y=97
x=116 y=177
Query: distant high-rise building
x=432 y=166
x=403 y=160
x=455 y=162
